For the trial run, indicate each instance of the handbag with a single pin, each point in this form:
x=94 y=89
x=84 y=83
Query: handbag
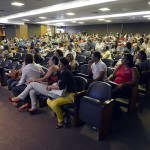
x=14 y=74
x=62 y=93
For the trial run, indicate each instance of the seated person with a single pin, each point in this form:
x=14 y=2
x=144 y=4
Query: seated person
x=70 y=50
x=66 y=80
x=106 y=53
x=124 y=77
x=72 y=61
x=97 y=68
x=38 y=86
x=143 y=66
x=31 y=71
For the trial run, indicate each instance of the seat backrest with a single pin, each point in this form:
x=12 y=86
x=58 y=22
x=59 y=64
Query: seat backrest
x=7 y=62
x=80 y=83
x=15 y=64
x=109 y=71
x=86 y=53
x=2 y=60
x=108 y=62
x=99 y=90
x=80 y=58
x=84 y=69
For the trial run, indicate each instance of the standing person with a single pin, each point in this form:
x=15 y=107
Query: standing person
x=66 y=80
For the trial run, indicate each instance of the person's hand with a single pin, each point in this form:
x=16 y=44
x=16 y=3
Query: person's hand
x=106 y=80
x=48 y=88
x=29 y=81
x=120 y=86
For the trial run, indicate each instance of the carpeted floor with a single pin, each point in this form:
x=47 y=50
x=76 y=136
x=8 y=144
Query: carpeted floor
x=21 y=131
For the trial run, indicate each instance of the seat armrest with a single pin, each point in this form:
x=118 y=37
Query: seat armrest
x=83 y=75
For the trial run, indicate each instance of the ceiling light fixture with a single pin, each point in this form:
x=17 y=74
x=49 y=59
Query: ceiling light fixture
x=104 y=9
x=73 y=21
x=149 y=3
x=42 y=17
x=70 y=14
x=147 y=16
x=58 y=7
x=81 y=22
x=99 y=17
x=17 y=4
x=25 y=19
x=108 y=21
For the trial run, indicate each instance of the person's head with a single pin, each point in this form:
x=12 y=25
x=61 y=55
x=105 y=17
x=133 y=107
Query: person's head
x=53 y=60
x=127 y=59
x=70 y=46
x=146 y=40
x=141 y=55
x=70 y=57
x=28 y=59
x=58 y=53
x=63 y=63
x=96 y=56
x=128 y=45
x=60 y=44
x=76 y=45
x=89 y=41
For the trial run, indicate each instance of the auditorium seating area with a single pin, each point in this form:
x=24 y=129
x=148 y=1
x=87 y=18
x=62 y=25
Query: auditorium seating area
x=93 y=104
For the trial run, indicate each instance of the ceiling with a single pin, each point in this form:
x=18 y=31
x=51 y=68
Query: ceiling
x=116 y=7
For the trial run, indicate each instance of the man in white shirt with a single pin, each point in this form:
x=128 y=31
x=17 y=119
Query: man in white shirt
x=97 y=68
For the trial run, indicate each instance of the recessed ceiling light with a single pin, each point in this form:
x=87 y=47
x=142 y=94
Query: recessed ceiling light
x=17 y=4
x=149 y=3
x=104 y=9
x=147 y=16
x=81 y=22
x=42 y=17
x=59 y=24
x=70 y=14
x=73 y=21
x=101 y=19
x=108 y=21
x=25 y=19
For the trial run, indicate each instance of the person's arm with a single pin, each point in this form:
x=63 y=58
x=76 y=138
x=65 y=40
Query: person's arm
x=23 y=77
x=101 y=76
x=47 y=75
x=113 y=75
x=90 y=66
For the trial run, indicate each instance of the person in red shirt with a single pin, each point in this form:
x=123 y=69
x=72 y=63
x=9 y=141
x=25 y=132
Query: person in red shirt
x=124 y=77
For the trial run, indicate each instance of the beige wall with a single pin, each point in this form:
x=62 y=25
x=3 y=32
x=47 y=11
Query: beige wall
x=22 y=31
x=43 y=29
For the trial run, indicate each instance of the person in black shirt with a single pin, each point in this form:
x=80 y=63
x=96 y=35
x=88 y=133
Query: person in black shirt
x=65 y=81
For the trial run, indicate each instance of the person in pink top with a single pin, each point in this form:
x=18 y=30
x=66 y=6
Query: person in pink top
x=124 y=77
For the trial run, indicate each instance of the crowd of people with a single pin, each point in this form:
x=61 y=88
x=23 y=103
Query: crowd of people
x=129 y=53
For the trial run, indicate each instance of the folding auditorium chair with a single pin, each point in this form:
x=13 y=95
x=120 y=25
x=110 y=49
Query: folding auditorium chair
x=96 y=107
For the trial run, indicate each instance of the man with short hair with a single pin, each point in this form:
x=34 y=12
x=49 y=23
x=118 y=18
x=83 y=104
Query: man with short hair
x=97 y=67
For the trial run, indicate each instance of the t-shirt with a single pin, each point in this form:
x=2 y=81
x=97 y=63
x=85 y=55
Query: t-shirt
x=123 y=75
x=97 y=68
